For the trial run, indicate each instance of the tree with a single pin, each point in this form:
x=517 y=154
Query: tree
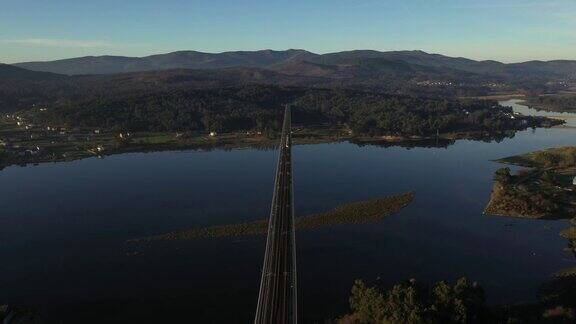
x=414 y=303
x=503 y=176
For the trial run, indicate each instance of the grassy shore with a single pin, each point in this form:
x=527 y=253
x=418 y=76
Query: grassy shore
x=499 y=96
x=543 y=190
x=569 y=233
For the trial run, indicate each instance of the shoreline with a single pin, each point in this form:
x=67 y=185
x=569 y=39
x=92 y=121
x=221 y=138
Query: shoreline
x=503 y=96
x=233 y=142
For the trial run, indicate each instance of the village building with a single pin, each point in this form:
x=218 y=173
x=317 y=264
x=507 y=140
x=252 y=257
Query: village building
x=212 y=134
x=33 y=151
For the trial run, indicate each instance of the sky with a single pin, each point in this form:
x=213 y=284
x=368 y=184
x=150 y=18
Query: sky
x=504 y=30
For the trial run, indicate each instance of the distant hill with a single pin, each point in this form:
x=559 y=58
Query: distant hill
x=413 y=57
x=174 y=60
x=9 y=72
x=370 y=68
x=559 y=68
x=293 y=61
x=543 y=68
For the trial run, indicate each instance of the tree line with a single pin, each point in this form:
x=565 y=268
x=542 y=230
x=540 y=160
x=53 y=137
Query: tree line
x=259 y=107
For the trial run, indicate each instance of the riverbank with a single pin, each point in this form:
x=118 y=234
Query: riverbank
x=34 y=145
x=22 y=143
x=544 y=189
x=560 y=102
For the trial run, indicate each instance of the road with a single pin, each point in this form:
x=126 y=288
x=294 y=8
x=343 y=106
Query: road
x=277 y=302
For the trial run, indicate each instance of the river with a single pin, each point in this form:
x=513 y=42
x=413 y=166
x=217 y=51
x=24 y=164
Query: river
x=63 y=228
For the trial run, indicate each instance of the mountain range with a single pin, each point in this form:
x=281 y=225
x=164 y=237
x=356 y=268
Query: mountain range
x=348 y=64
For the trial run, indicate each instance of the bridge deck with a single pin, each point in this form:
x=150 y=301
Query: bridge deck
x=277 y=298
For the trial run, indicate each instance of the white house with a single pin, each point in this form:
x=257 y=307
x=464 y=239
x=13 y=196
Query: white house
x=574 y=181
x=212 y=134
x=124 y=135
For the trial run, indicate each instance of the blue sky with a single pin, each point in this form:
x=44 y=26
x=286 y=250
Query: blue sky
x=505 y=30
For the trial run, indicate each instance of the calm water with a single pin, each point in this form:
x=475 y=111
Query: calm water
x=63 y=229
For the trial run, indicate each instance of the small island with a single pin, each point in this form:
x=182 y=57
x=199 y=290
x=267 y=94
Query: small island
x=352 y=213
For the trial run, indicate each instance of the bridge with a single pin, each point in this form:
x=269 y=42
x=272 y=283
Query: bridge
x=277 y=302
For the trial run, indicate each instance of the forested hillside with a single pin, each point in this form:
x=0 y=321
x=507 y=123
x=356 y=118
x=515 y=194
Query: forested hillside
x=260 y=107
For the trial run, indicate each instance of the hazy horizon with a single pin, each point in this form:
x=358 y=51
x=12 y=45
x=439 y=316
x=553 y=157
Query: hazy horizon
x=506 y=31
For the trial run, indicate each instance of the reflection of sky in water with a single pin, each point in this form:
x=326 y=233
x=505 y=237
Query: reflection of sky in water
x=63 y=225
x=514 y=103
